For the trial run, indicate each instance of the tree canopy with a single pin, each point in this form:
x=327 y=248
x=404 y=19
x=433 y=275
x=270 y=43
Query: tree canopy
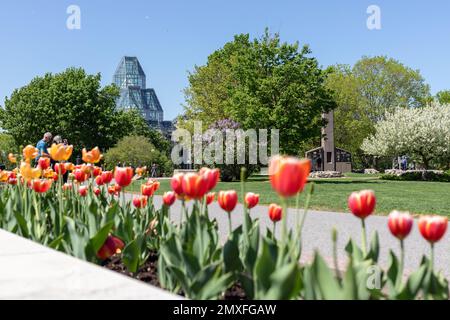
x=367 y=91
x=421 y=133
x=74 y=105
x=262 y=83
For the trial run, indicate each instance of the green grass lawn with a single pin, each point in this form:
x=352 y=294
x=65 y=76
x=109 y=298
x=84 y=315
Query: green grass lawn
x=331 y=194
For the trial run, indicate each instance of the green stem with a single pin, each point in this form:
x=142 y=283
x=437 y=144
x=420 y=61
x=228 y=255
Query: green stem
x=432 y=257
x=364 y=237
x=246 y=211
x=229 y=223
x=306 y=208
x=284 y=232
x=335 y=255
x=402 y=264
x=274 y=230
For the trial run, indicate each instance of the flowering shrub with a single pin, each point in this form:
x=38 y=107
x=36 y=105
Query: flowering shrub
x=92 y=220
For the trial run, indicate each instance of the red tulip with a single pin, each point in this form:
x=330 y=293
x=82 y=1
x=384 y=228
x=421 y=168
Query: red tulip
x=99 y=180
x=212 y=176
x=169 y=198
x=12 y=181
x=60 y=168
x=400 y=224
x=288 y=175
x=111 y=246
x=107 y=177
x=251 y=199
x=123 y=176
x=96 y=171
x=79 y=175
x=176 y=183
x=432 y=228
x=362 y=203
x=41 y=185
x=210 y=197
x=275 y=212
x=140 y=202
x=83 y=191
x=44 y=163
x=227 y=200
x=96 y=191
x=194 y=185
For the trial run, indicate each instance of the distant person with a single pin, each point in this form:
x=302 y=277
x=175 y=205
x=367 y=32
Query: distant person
x=404 y=163
x=78 y=160
x=153 y=172
x=42 y=145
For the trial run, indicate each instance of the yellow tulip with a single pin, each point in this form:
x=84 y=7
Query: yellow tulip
x=69 y=166
x=48 y=173
x=30 y=152
x=60 y=152
x=92 y=156
x=12 y=158
x=28 y=172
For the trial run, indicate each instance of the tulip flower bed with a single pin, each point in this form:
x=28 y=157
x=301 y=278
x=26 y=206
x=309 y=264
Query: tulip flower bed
x=89 y=218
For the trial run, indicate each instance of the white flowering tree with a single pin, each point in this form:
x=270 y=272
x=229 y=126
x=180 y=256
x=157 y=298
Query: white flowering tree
x=422 y=133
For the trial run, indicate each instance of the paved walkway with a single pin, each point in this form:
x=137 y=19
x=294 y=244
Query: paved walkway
x=317 y=234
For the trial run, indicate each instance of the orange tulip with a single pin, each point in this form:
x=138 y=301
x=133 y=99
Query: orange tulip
x=92 y=156
x=210 y=197
x=362 y=204
x=69 y=166
x=400 y=224
x=60 y=152
x=227 y=200
x=123 y=176
x=30 y=152
x=4 y=175
x=288 y=175
x=41 y=185
x=112 y=246
x=275 y=212
x=251 y=199
x=12 y=158
x=107 y=177
x=432 y=228
x=141 y=171
x=28 y=172
x=169 y=198
x=44 y=163
x=140 y=202
x=194 y=185
x=176 y=183
x=114 y=189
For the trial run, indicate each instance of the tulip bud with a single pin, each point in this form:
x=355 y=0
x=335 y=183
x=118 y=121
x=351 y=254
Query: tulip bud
x=83 y=191
x=111 y=246
x=432 y=228
x=362 y=204
x=275 y=212
x=123 y=176
x=251 y=199
x=210 y=197
x=44 y=162
x=169 y=198
x=400 y=224
x=60 y=168
x=176 y=183
x=288 y=175
x=107 y=177
x=140 y=202
x=227 y=200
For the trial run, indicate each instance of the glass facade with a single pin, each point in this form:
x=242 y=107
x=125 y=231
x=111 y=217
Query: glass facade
x=131 y=80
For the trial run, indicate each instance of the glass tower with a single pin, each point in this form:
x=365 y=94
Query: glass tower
x=131 y=80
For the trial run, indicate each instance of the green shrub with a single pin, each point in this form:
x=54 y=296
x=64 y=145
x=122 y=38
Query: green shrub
x=419 y=175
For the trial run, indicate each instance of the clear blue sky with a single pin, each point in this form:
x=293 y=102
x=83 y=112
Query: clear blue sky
x=170 y=37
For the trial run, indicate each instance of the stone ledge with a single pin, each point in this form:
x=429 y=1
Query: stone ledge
x=32 y=271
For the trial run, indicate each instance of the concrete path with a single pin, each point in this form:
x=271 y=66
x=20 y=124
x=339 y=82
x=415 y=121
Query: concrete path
x=317 y=234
